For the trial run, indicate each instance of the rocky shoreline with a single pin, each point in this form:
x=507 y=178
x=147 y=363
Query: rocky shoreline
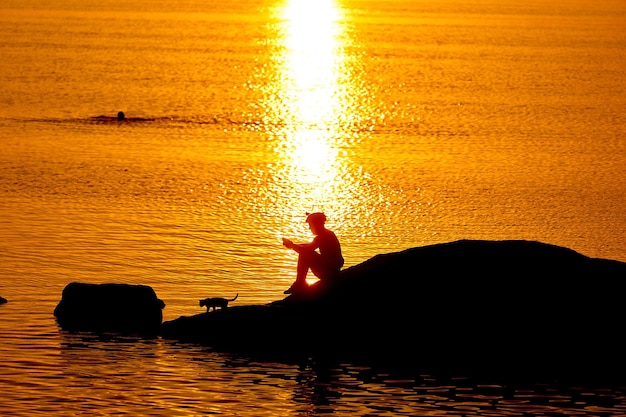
x=504 y=306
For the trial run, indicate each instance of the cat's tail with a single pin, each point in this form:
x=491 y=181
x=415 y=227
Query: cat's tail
x=233 y=299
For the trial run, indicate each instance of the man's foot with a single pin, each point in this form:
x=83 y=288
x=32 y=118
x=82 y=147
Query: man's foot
x=296 y=288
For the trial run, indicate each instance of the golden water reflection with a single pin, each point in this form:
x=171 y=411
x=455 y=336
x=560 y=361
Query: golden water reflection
x=312 y=106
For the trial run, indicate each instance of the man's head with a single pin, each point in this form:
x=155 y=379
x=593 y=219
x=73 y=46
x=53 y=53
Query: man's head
x=316 y=222
x=318 y=218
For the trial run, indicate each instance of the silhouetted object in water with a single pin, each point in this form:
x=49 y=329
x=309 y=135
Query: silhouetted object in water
x=216 y=302
x=120 y=117
x=3 y=300
x=324 y=264
x=109 y=308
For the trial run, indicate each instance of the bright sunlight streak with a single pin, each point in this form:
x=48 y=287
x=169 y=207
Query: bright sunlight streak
x=311 y=67
x=307 y=103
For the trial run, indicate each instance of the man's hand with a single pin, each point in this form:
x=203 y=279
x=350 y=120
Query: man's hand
x=288 y=243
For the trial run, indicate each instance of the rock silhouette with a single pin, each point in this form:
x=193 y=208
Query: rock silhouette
x=511 y=307
x=109 y=308
x=503 y=306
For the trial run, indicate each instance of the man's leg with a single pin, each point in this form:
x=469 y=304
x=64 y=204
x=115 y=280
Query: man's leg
x=305 y=260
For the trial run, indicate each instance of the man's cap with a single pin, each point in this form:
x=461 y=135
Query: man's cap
x=316 y=217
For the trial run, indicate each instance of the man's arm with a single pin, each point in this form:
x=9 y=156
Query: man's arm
x=299 y=247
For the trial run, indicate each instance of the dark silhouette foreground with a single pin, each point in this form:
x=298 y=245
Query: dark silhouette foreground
x=491 y=307
x=507 y=307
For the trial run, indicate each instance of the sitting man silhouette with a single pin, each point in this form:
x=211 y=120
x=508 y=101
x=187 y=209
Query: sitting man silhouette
x=324 y=264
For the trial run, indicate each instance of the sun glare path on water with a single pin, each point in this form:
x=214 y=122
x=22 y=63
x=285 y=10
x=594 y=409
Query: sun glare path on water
x=309 y=93
x=316 y=110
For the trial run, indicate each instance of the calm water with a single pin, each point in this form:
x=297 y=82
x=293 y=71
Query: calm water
x=408 y=122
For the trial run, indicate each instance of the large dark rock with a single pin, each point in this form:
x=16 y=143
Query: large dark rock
x=109 y=308
x=3 y=300
x=502 y=306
